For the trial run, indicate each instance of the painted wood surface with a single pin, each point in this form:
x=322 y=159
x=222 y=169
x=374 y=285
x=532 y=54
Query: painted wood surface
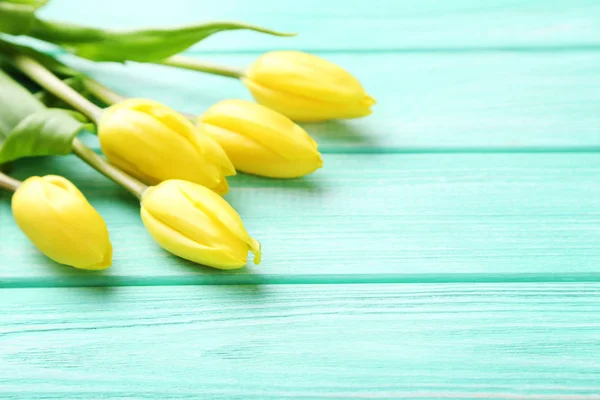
x=371 y=26
x=391 y=218
x=498 y=341
x=465 y=213
x=498 y=101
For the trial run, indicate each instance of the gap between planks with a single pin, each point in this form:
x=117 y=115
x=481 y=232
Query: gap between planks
x=473 y=218
x=93 y=143
x=91 y=140
x=96 y=279
x=457 y=150
x=404 y=50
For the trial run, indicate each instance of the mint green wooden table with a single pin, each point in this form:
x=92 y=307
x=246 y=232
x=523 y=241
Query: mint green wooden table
x=449 y=248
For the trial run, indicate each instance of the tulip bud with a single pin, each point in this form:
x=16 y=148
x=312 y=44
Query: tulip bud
x=194 y=223
x=306 y=88
x=154 y=143
x=261 y=141
x=60 y=222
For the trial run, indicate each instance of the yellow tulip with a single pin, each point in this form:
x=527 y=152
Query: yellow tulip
x=154 y=143
x=306 y=88
x=194 y=223
x=261 y=141
x=60 y=222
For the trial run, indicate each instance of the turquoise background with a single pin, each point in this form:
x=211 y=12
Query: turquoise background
x=447 y=249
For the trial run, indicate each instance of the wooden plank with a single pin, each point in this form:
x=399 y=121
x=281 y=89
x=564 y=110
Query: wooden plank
x=509 y=101
x=376 y=25
x=507 y=341
x=362 y=218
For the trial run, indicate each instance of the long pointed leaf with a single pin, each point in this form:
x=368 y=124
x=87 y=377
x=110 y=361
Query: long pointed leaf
x=17 y=16
x=144 y=45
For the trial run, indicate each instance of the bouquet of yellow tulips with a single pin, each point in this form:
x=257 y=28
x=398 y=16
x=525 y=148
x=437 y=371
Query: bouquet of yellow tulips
x=176 y=165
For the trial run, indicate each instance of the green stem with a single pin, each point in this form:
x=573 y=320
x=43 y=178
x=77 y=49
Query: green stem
x=45 y=78
x=134 y=186
x=8 y=183
x=101 y=92
x=193 y=64
x=109 y=96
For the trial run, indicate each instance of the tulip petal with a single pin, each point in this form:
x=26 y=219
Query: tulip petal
x=168 y=204
x=60 y=222
x=195 y=223
x=250 y=157
x=180 y=245
x=105 y=263
x=178 y=124
x=65 y=184
x=222 y=188
x=154 y=143
x=296 y=72
x=270 y=129
x=216 y=208
x=255 y=248
x=222 y=213
x=306 y=88
x=305 y=109
x=209 y=149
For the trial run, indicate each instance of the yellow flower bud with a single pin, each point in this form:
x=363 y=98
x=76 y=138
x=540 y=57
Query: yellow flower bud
x=261 y=141
x=306 y=88
x=60 y=222
x=154 y=143
x=194 y=223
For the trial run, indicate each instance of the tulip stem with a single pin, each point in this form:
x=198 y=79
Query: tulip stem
x=45 y=78
x=193 y=64
x=88 y=155
x=109 y=96
x=101 y=92
x=8 y=183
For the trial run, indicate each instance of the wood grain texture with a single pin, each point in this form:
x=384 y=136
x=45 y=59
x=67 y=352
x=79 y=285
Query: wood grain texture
x=507 y=341
x=507 y=101
x=376 y=25
x=362 y=218
x=458 y=248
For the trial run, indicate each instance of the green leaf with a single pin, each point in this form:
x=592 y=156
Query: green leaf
x=17 y=16
x=144 y=45
x=70 y=76
x=28 y=128
x=32 y=3
x=16 y=103
x=6 y=167
x=46 y=132
x=46 y=60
